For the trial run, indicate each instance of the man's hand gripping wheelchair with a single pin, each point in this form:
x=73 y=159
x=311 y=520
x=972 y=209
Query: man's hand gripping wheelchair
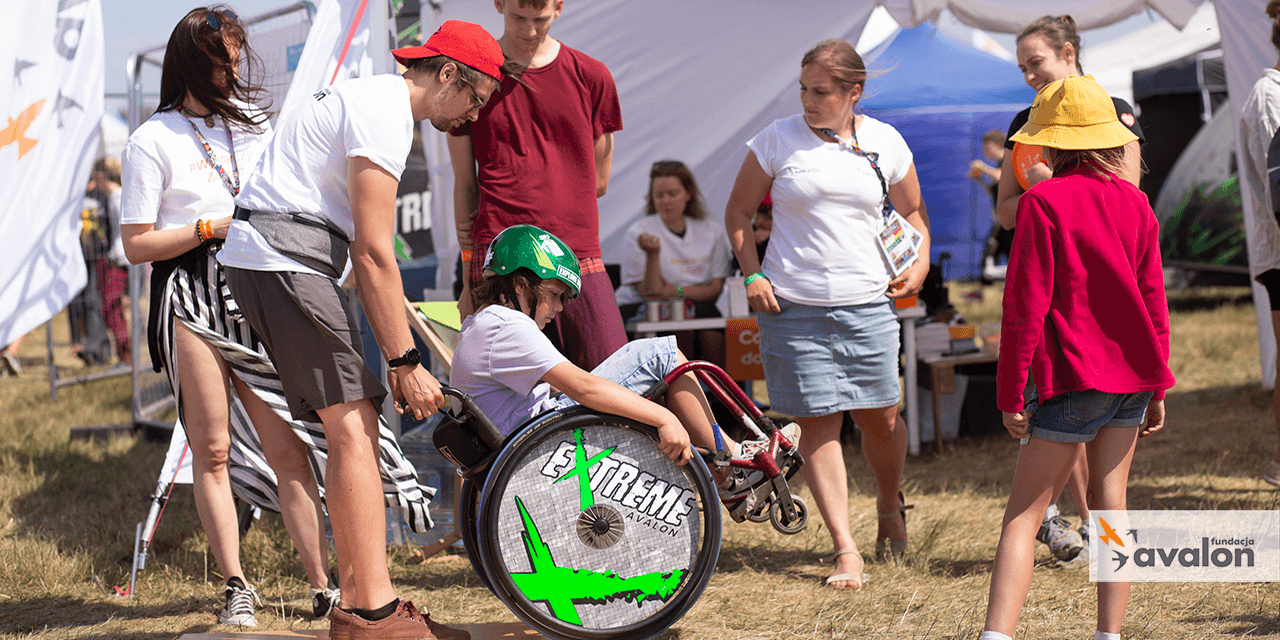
x=586 y=530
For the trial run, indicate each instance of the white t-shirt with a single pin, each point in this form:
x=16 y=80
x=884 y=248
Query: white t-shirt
x=500 y=360
x=1260 y=120
x=701 y=256
x=826 y=211
x=166 y=177
x=304 y=168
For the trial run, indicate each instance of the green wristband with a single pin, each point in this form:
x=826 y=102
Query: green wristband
x=752 y=278
x=679 y=291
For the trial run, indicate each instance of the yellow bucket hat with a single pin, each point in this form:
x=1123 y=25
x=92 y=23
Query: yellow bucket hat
x=1074 y=113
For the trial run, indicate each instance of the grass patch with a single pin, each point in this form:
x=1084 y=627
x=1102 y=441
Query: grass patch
x=68 y=511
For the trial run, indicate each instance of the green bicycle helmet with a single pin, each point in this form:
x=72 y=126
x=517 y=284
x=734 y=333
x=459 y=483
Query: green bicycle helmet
x=525 y=245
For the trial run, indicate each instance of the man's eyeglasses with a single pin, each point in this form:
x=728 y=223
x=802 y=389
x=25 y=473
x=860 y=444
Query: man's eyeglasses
x=476 y=102
x=215 y=21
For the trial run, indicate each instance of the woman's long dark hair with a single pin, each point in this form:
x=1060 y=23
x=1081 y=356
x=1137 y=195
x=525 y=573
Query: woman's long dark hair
x=195 y=51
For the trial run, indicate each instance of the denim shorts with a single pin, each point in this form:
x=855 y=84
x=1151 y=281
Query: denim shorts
x=638 y=365
x=823 y=360
x=1077 y=416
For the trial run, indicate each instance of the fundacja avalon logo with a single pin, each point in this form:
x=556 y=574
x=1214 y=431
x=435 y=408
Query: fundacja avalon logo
x=1185 y=546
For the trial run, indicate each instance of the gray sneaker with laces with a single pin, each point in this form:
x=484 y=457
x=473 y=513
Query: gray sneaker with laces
x=1063 y=540
x=241 y=601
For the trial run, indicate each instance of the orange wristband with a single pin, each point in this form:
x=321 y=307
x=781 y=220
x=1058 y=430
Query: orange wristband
x=466 y=255
x=206 y=229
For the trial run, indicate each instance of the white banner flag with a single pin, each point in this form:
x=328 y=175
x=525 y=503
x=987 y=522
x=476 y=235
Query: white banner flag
x=338 y=47
x=51 y=106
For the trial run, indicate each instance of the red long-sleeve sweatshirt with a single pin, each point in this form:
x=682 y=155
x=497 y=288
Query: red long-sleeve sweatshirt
x=1084 y=303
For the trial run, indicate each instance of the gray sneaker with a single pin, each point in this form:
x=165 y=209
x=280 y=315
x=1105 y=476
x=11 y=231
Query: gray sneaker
x=1081 y=561
x=241 y=600
x=1064 y=541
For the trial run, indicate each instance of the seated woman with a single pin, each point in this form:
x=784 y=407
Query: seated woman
x=513 y=371
x=677 y=253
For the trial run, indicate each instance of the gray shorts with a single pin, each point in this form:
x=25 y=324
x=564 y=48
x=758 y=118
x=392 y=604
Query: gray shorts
x=313 y=339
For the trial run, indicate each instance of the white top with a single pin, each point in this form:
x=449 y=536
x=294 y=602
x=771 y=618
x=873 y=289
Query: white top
x=304 y=168
x=500 y=360
x=1258 y=122
x=166 y=177
x=826 y=211
x=701 y=256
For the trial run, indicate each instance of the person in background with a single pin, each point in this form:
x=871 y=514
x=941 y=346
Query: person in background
x=676 y=252
x=89 y=339
x=559 y=115
x=1048 y=50
x=1259 y=121
x=181 y=170
x=999 y=239
x=1085 y=316
x=829 y=337
x=112 y=266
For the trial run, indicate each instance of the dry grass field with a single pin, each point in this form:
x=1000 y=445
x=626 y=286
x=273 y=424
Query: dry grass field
x=68 y=511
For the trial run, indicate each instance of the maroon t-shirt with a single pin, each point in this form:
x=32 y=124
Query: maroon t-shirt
x=535 y=151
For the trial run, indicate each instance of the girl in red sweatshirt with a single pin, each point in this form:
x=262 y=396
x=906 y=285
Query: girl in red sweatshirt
x=1085 y=314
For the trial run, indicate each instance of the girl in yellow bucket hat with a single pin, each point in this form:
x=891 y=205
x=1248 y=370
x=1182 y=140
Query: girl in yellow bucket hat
x=1085 y=314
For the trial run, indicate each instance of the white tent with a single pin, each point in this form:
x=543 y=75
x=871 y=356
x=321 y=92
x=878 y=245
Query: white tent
x=1112 y=63
x=696 y=80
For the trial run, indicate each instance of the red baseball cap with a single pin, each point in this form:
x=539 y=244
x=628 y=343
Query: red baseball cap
x=465 y=42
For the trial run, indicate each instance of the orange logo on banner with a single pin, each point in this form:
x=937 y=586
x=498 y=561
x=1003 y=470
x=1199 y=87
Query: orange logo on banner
x=16 y=131
x=1024 y=155
x=742 y=349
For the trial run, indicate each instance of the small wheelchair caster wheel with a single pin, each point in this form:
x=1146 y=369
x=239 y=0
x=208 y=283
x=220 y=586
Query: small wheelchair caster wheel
x=797 y=525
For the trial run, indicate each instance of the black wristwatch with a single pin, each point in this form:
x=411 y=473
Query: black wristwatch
x=410 y=357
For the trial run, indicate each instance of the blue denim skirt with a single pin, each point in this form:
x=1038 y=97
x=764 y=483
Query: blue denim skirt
x=823 y=360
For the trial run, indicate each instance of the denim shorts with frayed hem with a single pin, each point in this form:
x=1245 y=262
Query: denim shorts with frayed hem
x=1077 y=416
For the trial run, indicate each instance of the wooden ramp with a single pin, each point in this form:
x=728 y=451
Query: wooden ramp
x=497 y=631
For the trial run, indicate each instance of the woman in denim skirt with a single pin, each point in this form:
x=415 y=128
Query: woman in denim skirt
x=829 y=335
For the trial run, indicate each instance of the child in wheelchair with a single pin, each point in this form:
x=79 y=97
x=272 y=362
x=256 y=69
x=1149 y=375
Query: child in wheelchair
x=514 y=373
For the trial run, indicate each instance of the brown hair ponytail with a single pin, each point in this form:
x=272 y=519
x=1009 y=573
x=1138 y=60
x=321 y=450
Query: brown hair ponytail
x=1060 y=31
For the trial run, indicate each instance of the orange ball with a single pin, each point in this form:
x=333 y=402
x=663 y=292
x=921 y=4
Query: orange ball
x=1024 y=155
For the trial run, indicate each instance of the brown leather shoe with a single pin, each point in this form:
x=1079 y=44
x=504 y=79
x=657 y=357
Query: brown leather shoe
x=405 y=624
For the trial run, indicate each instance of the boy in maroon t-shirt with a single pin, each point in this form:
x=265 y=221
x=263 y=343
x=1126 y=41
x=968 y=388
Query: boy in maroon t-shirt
x=540 y=154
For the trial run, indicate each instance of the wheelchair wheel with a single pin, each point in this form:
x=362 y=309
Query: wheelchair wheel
x=588 y=531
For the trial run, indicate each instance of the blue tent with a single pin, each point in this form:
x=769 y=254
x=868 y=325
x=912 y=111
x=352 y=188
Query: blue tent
x=942 y=95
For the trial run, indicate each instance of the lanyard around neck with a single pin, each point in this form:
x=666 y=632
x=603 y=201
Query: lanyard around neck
x=234 y=188
x=851 y=144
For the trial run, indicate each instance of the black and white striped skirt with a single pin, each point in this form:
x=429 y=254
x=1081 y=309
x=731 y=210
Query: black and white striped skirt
x=198 y=297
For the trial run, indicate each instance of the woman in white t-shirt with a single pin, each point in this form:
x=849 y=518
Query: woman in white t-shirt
x=676 y=252
x=828 y=333
x=181 y=171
